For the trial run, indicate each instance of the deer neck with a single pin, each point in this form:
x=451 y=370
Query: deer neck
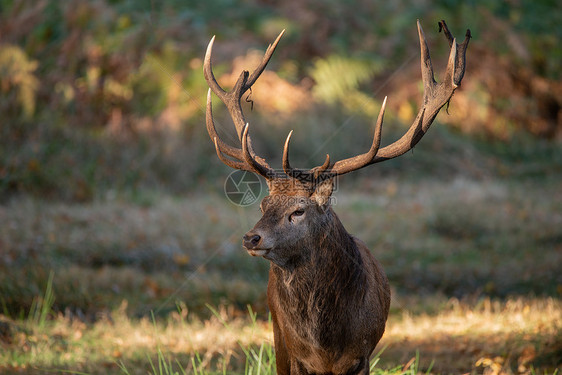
x=329 y=260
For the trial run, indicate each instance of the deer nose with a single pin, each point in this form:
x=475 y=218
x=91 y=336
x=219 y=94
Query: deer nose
x=251 y=240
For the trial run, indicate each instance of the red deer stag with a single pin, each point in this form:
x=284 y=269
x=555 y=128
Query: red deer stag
x=328 y=296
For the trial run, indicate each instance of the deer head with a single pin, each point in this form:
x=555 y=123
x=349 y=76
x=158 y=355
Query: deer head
x=299 y=197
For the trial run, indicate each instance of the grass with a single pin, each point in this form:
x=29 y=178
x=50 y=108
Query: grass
x=518 y=335
x=467 y=231
x=41 y=307
x=464 y=237
x=470 y=293
x=120 y=254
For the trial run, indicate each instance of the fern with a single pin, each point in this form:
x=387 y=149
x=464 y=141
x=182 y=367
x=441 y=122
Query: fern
x=338 y=79
x=16 y=74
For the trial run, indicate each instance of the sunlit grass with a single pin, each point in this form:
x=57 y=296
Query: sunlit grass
x=483 y=335
x=116 y=261
x=81 y=283
x=518 y=333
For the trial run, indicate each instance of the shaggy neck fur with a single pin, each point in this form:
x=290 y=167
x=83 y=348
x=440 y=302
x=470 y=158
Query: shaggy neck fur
x=327 y=276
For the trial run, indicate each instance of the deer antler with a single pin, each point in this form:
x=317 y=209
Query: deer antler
x=435 y=96
x=354 y=163
x=245 y=157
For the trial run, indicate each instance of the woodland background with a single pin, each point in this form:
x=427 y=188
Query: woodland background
x=119 y=252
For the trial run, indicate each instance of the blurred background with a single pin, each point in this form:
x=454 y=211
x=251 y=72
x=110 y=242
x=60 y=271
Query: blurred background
x=111 y=195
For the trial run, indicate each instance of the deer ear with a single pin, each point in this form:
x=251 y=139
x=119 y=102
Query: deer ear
x=322 y=192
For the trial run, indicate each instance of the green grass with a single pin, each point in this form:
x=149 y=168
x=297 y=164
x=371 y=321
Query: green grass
x=41 y=307
x=447 y=226
x=259 y=361
x=79 y=281
x=494 y=333
x=447 y=336
x=93 y=273
x=464 y=235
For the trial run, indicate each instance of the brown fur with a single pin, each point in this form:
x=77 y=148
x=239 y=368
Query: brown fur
x=328 y=296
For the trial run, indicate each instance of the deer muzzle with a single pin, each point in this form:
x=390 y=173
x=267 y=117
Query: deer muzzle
x=253 y=244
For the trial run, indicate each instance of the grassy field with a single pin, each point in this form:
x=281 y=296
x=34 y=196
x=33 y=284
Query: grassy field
x=515 y=336
x=120 y=254
x=474 y=255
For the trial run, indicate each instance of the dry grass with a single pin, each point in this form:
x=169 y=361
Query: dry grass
x=487 y=336
x=492 y=243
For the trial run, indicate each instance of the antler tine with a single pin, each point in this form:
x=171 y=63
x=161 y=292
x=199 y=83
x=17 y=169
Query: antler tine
x=285 y=164
x=266 y=57
x=435 y=96
x=342 y=166
x=416 y=130
x=302 y=174
x=426 y=65
x=232 y=101
x=359 y=161
x=450 y=71
x=323 y=167
x=255 y=166
x=208 y=72
x=231 y=163
x=244 y=83
x=221 y=147
x=461 y=50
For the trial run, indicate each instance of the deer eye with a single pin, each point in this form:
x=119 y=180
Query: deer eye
x=295 y=214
